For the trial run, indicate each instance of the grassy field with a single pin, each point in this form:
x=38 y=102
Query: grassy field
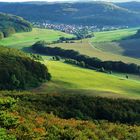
x=100 y=46
x=88 y=49
x=71 y=79
x=108 y=45
x=115 y=35
x=117 y=42
x=26 y=39
x=125 y=47
x=131 y=76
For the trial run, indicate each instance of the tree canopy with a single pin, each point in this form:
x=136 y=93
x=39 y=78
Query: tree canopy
x=18 y=71
x=10 y=24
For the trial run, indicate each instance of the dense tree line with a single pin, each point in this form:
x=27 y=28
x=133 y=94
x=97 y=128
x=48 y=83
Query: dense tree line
x=10 y=24
x=78 y=36
x=20 y=72
x=90 y=62
x=65 y=39
x=74 y=62
x=83 y=65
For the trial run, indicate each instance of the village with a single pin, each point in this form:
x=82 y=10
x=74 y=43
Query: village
x=73 y=29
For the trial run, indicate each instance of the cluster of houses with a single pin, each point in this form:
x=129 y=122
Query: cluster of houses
x=73 y=29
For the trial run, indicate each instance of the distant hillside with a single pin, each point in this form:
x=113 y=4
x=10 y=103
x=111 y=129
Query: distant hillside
x=97 y=13
x=10 y=24
x=135 y=6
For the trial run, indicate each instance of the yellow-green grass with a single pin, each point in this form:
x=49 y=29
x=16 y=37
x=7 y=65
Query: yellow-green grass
x=88 y=48
x=130 y=76
x=117 y=42
x=26 y=39
x=104 y=47
x=21 y=40
x=125 y=47
x=71 y=79
x=115 y=35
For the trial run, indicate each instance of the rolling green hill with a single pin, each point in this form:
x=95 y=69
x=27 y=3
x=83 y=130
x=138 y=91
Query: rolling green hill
x=115 y=35
x=128 y=48
x=11 y=24
x=70 y=79
x=108 y=45
x=119 y=42
x=28 y=39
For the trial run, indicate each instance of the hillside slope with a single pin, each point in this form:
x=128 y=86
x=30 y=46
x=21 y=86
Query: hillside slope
x=120 y=42
x=26 y=39
x=69 y=79
x=97 y=13
x=10 y=24
x=18 y=71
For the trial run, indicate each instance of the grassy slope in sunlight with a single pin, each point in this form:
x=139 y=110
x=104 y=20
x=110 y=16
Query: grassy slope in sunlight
x=20 y=40
x=103 y=45
x=78 y=79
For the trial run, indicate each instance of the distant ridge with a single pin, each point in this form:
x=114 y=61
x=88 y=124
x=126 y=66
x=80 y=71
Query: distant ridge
x=83 y=13
x=133 y=5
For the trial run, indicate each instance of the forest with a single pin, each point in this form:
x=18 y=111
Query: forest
x=19 y=71
x=11 y=24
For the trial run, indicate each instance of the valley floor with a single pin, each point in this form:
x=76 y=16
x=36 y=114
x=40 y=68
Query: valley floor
x=72 y=79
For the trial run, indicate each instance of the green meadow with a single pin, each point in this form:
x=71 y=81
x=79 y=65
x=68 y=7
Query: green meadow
x=128 y=48
x=108 y=45
x=26 y=39
x=71 y=79
x=90 y=50
x=115 y=35
x=104 y=45
x=117 y=42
